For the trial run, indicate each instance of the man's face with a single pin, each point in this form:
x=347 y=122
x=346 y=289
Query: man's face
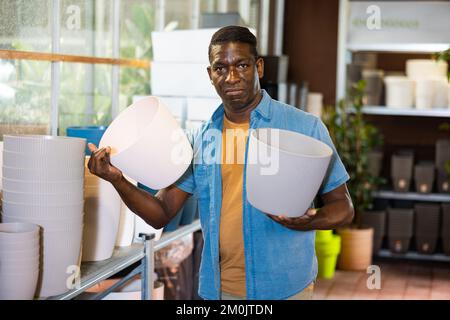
x=235 y=74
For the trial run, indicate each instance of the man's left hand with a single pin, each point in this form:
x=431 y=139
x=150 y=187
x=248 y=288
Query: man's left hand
x=298 y=223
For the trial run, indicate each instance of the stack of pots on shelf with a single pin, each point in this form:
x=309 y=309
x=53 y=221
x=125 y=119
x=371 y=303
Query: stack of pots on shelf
x=20 y=260
x=427 y=218
x=400 y=229
x=401 y=170
x=442 y=164
x=102 y=209
x=431 y=82
x=445 y=228
x=328 y=247
x=43 y=184
x=425 y=86
x=424 y=177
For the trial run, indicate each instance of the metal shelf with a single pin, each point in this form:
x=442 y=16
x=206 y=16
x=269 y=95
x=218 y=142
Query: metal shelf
x=413 y=256
x=382 y=110
x=399 y=47
x=94 y=272
x=413 y=196
x=123 y=257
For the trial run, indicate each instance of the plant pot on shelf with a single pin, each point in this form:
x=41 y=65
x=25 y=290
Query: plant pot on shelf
x=445 y=228
x=441 y=157
x=356 y=249
x=327 y=251
x=401 y=170
x=377 y=221
x=374 y=87
x=426 y=226
x=375 y=161
x=424 y=177
x=400 y=229
x=443 y=182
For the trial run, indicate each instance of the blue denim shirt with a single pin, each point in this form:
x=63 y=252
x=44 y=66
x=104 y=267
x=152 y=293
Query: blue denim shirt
x=279 y=262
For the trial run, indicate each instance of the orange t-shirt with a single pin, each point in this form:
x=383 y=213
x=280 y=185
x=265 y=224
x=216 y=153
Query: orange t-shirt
x=231 y=241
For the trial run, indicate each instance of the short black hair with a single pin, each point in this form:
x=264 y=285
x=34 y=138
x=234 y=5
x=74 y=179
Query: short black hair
x=234 y=34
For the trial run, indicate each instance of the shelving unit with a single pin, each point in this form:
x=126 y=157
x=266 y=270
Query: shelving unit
x=355 y=35
x=412 y=196
x=385 y=111
x=94 y=272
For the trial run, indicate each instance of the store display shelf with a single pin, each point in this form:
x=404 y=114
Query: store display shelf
x=399 y=47
x=94 y=272
x=410 y=112
x=413 y=256
x=413 y=196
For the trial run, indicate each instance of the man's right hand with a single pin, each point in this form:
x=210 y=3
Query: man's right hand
x=99 y=164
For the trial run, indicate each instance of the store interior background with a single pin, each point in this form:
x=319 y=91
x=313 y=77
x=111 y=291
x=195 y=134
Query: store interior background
x=309 y=37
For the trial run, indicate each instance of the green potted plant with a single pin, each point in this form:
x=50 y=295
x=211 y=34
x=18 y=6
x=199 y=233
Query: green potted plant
x=355 y=139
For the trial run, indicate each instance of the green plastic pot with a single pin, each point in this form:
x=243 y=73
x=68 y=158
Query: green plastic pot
x=327 y=254
x=324 y=235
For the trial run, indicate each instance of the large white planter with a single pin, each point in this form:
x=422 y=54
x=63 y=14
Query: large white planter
x=148 y=144
x=181 y=79
x=285 y=170
x=399 y=92
x=426 y=68
x=102 y=208
x=170 y=46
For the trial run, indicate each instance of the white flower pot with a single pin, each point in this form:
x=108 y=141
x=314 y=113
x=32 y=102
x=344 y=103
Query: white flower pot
x=285 y=170
x=148 y=144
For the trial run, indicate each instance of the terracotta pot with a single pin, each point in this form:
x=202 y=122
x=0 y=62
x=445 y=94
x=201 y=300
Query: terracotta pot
x=356 y=251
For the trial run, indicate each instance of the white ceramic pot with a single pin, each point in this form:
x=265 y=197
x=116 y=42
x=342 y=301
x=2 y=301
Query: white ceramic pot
x=43 y=212
x=399 y=92
x=126 y=226
x=102 y=216
x=48 y=146
x=40 y=161
x=285 y=170
x=425 y=91
x=18 y=232
x=18 y=286
x=425 y=68
x=48 y=224
x=42 y=199
x=441 y=92
x=19 y=245
x=314 y=104
x=148 y=145
x=71 y=186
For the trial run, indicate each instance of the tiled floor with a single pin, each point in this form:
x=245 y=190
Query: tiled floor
x=399 y=280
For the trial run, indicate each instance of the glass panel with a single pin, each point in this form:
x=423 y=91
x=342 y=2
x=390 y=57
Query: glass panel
x=137 y=22
x=86 y=27
x=25 y=25
x=24 y=97
x=85 y=96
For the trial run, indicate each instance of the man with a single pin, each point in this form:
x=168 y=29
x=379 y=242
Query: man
x=247 y=254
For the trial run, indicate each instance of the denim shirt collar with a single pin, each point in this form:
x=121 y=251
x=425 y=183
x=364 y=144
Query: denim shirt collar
x=262 y=109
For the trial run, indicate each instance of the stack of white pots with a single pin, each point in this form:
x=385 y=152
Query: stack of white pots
x=425 y=86
x=102 y=209
x=43 y=184
x=19 y=257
